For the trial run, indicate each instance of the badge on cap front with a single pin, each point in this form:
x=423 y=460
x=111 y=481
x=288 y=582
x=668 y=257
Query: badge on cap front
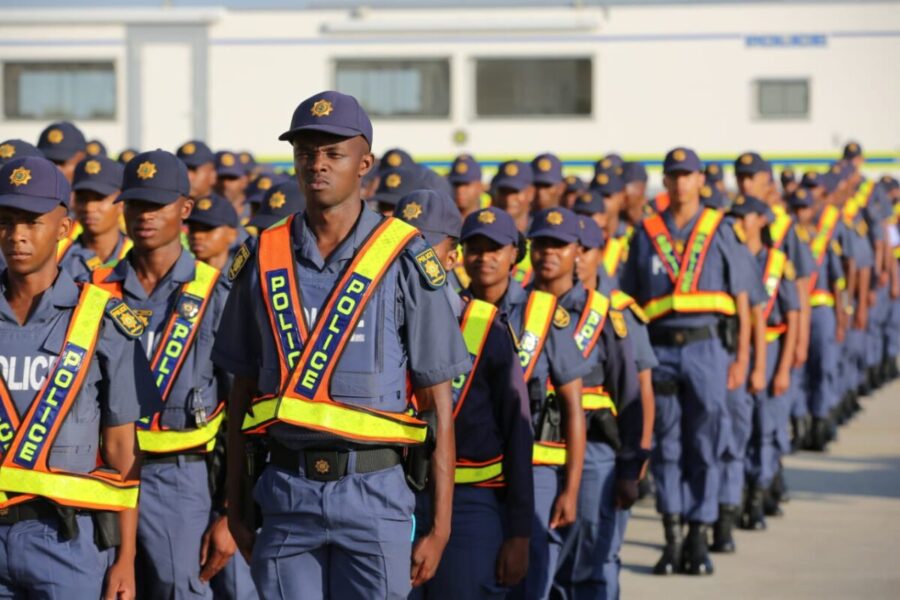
x=412 y=211
x=321 y=108
x=20 y=176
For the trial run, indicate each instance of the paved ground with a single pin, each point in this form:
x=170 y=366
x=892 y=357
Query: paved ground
x=839 y=538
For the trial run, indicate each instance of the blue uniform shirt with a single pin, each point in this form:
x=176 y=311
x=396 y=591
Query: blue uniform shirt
x=613 y=366
x=196 y=385
x=787 y=298
x=76 y=260
x=644 y=356
x=117 y=390
x=798 y=253
x=645 y=277
x=396 y=335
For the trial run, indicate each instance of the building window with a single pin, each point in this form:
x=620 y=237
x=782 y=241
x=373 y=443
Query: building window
x=59 y=90
x=514 y=87
x=782 y=98
x=397 y=88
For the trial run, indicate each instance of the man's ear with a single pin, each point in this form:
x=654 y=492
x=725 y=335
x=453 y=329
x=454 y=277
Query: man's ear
x=186 y=207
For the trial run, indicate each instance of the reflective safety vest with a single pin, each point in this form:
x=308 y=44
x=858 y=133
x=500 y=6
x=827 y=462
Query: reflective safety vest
x=475 y=325
x=825 y=229
x=308 y=359
x=587 y=334
x=27 y=442
x=662 y=202
x=63 y=245
x=172 y=350
x=684 y=272
x=772 y=278
x=821 y=298
x=523 y=271
x=864 y=193
x=780 y=227
x=612 y=255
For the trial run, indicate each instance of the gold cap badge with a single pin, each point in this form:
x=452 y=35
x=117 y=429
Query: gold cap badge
x=602 y=178
x=585 y=197
x=544 y=164
x=486 y=217
x=204 y=204
x=714 y=168
x=555 y=218
x=412 y=211
x=679 y=155
x=92 y=167
x=20 y=176
x=188 y=148
x=146 y=170
x=55 y=136
x=7 y=151
x=801 y=193
x=393 y=181
x=394 y=160
x=511 y=169
x=245 y=158
x=93 y=149
x=128 y=155
x=228 y=160
x=264 y=183
x=746 y=159
x=606 y=163
x=277 y=199
x=461 y=168
x=321 y=108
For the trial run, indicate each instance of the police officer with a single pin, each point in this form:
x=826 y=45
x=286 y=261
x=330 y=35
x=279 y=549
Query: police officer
x=634 y=174
x=336 y=507
x=781 y=318
x=610 y=186
x=73 y=348
x=513 y=188
x=685 y=305
x=201 y=164
x=212 y=231
x=394 y=183
x=715 y=176
x=468 y=188
x=493 y=499
x=64 y=144
x=549 y=184
x=589 y=565
x=95 y=148
x=97 y=184
x=574 y=186
x=547 y=354
x=126 y=155
x=231 y=181
x=181 y=302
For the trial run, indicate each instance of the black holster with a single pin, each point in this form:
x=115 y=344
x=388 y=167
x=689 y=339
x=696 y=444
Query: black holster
x=255 y=455
x=728 y=332
x=417 y=461
x=107 y=532
x=603 y=426
x=68 y=526
x=550 y=425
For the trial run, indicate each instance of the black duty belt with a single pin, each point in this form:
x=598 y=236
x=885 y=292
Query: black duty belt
x=669 y=336
x=331 y=465
x=170 y=459
x=31 y=510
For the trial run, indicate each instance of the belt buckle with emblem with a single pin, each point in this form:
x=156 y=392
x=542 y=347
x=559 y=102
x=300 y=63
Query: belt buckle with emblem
x=680 y=338
x=322 y=465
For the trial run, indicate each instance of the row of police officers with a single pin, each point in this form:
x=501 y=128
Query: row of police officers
x=375 y=382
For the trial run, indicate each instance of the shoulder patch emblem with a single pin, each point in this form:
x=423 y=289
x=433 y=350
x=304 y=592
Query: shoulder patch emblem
x=618 y=322
x=561 y=318
x=126 y=321
x=431 y=268
x=238 y=262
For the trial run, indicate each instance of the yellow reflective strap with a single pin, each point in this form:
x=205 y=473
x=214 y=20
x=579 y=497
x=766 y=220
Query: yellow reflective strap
x=263 y=413
x=719 y=302
x=538 y=315
x=70 y=489
x=821 y=298
x=864 y=193
x=543 y=453
x=476 y=324
x=598 y=401
x=351 y=422
x=590 y=324
x=64 y=244
x=612 y=255
x=469 y=474
x=779 y=228
x=170 y=440
x=824 y=232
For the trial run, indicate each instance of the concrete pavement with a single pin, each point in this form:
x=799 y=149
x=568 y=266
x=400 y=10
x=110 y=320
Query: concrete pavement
x=839 y=537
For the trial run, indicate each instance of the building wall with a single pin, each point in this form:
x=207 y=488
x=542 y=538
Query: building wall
x=663 y=75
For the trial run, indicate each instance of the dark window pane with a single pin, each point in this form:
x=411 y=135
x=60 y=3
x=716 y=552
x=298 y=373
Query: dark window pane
x=533 y=86
x=783 y=98
x=59 y=90
x=397 y=88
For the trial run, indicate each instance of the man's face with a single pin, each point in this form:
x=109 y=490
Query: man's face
x=152 y=226
x=208 y=242
x=202 y=179
x=548 y=196
x=97 y=213
x=232 y=188
x=756 y=184
x=468 y=196
x=552 y=259
x=684 y=186
x=329 y=167
x=28 y=240
x=514 y=202
x=588 y=264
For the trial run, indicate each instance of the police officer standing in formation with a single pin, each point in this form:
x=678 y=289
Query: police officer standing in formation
x=74 y=381
x=334 y=311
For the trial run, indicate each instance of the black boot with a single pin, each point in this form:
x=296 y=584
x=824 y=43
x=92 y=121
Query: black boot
x=670 y=561
x=800 y=431
x=779 y=486
x=771 y=504
x=723 y=540
x=820 y=433
x=696 y=552
x=753 y=517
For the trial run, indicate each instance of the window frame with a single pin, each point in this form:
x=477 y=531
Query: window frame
x=447 y=60
x=110 y=62
x=589 y=116
x=757 y=90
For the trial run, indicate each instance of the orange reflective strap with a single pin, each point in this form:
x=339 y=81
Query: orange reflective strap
x=696 y=250
x=590 y=324
x=25 y=468
x=538 y=315
x=9 y=424
x=774 y=332
x=475 y=325
x=65 y=244
x=662 y=242
x=278 y=282
x=98 y=278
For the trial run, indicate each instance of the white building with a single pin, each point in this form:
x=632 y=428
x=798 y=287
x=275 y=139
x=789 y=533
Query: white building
x=794 y=80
